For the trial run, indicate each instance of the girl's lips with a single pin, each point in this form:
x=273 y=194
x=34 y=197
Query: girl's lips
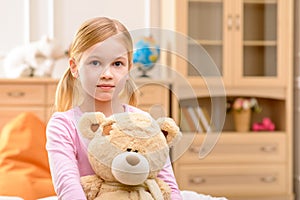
x=105 y=86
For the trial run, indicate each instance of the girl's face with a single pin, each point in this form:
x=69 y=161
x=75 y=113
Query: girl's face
x=103 y=69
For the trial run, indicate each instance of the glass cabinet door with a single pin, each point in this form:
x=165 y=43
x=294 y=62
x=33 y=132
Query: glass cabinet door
x=245 y=39
x=260 y=38
x=205 y=27
x=260 y=59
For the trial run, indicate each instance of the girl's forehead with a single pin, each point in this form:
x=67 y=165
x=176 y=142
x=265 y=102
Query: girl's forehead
x=112 y=47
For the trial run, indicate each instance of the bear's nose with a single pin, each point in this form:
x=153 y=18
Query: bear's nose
x=132 y=160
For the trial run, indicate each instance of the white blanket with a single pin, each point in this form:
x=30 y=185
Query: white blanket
x=187 y=195
x=190 y=195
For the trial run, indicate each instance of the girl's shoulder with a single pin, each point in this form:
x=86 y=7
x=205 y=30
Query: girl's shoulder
x=64 y=124
x=71 y=115
x=129 y=108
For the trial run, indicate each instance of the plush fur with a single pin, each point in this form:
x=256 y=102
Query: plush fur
x=37 y=59
x=126 y=151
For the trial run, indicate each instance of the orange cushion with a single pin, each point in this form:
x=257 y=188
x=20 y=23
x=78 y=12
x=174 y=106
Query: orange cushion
x=24 y=168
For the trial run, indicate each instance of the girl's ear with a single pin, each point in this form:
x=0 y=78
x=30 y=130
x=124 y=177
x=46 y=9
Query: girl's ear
x=73 y=67
x=89 y=124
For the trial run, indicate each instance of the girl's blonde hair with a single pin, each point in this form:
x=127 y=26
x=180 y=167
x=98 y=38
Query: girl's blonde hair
x=91 y=32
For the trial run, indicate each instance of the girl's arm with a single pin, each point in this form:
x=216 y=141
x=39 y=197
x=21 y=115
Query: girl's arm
x=62 y=158
x=167 y=175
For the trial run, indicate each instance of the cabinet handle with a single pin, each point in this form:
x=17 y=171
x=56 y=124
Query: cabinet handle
x=197 y=180
x=238 y=22
x=268 y=179
x=268 y=149
x=16 y=94
x=229 y=22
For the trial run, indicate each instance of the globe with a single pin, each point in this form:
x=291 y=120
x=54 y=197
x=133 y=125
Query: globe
x=146 y=54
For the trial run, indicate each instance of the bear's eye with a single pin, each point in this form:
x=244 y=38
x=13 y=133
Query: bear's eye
x=128 y=149
x=135 y=151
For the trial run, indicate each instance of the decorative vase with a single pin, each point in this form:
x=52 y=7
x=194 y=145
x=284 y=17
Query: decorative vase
x=242 y=120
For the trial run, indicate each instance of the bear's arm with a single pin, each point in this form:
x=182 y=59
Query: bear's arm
x=165 y=189
x=91 y=186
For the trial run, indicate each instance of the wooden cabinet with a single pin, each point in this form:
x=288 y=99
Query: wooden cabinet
x=251 y=166
x=247 y=167
x=247 y=181
x=249 y=41
x=236 y=48
x=37 y=95
x=26 y=95
x=153 y=96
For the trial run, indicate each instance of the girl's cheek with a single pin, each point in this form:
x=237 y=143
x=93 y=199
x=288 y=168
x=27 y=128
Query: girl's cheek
x=89 y=72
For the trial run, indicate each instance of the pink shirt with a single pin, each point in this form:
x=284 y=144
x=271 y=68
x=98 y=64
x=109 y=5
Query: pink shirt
x=67 y=152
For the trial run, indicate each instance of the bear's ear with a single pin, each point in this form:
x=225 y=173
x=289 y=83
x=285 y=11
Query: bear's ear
x=107 y=127
x=170 y=130
x=89 y=123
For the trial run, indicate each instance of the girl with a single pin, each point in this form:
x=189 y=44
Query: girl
x=99 y=64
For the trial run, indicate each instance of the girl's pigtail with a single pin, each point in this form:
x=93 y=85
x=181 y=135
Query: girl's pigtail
x=64 y=92
x=129 y=92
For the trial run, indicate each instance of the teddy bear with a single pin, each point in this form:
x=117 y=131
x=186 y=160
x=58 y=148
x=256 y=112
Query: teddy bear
x=126 y=152
x=36 y=59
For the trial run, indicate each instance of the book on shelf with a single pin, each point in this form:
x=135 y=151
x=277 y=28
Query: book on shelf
x=195 y=119
x=184 y=124
x=187 y=121
x=204 y=118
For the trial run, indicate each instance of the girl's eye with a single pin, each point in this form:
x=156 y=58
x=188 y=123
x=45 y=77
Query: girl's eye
x=118 y=63
x=95 y=63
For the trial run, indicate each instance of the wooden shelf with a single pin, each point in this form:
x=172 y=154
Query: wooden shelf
x=207 y=42
x=236 y=134
x=245 y=1
x=261 y=1
x=206 y=1
x=251 y=55
x=200 y=91
x=259 y=43
x=28 y=80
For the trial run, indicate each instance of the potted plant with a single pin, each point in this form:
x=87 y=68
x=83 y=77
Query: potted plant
x=242 y=108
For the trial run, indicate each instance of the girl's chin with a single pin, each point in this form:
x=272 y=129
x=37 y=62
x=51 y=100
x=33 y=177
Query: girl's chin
x=104 y=98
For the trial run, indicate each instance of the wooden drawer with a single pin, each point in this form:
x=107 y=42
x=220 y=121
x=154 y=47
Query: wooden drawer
x=51 y=90
x=29 y=94
x=156 y=111
x=233 y=180
x=154 y=99
x=245 y=148
x=8 y=113
x=264 y=197
x=152 y=94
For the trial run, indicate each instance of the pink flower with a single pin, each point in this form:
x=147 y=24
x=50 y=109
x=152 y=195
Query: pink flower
x=240 y=104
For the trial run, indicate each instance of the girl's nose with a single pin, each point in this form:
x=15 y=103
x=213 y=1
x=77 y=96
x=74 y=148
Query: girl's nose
x=106 y=73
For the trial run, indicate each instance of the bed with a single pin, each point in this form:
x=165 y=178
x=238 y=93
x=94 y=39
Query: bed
x=24 y=168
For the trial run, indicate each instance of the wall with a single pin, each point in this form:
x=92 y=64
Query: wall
x=28 y=20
